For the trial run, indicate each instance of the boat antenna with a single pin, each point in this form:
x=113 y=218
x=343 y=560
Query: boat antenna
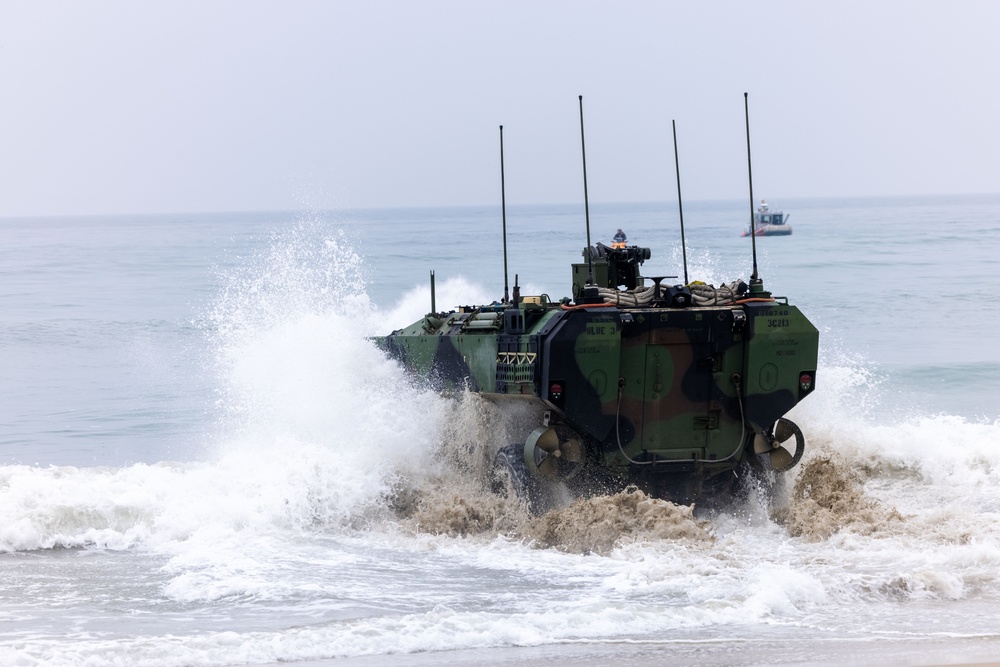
x=753 y=231
x=680 y=206
x=503 y=212
x=586 y=204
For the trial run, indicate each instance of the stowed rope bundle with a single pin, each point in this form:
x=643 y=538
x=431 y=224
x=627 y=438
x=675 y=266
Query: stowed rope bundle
x=642 y=296
x=701 y=294
x=709 y=295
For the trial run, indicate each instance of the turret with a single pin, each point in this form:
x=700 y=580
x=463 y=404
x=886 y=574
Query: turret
x=613 y=268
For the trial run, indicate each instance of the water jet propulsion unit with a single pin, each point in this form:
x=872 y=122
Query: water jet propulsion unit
x=680 y=390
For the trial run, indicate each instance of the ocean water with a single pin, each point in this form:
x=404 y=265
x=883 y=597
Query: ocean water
x=203 y=461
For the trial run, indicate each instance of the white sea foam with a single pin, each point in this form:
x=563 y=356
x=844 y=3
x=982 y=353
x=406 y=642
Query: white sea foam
x=319 y=433
x=318 y=425
x=449 y=294
x=322 y=427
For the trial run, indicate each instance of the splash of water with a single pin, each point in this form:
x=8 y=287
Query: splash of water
x=829 y=497
x=319 y=430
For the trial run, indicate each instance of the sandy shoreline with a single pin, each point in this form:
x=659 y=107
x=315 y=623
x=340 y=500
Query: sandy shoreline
x=982 y=652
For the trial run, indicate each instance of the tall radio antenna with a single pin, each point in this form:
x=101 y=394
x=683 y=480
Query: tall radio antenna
x=753 y=230
x=586 y=204
x=503 y=212
x=680 y=207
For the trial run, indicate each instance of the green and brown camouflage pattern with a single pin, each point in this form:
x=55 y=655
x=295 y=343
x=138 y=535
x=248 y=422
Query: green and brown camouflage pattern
x=668 y=398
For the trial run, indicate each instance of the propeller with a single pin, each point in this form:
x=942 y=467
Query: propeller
x=554 y=452
x=780 y=459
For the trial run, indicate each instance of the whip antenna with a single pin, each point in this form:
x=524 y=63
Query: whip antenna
x=503 y=212
x=753 y=230
x=586 y=204
x=680 y=207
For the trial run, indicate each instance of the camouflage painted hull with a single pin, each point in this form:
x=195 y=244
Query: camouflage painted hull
x=671 y=399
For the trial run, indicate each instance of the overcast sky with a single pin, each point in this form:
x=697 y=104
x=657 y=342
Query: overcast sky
x=172 y=106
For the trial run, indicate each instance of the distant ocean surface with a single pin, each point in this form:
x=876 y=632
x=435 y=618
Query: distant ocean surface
x=203 y=461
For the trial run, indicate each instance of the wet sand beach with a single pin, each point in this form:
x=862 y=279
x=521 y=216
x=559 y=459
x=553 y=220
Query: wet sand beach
x=951 y=652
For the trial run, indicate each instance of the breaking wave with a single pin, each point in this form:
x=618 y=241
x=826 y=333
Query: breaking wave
x=319 y=431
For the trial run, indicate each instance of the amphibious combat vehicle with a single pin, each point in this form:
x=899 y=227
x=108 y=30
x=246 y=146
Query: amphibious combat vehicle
x=677 y=389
